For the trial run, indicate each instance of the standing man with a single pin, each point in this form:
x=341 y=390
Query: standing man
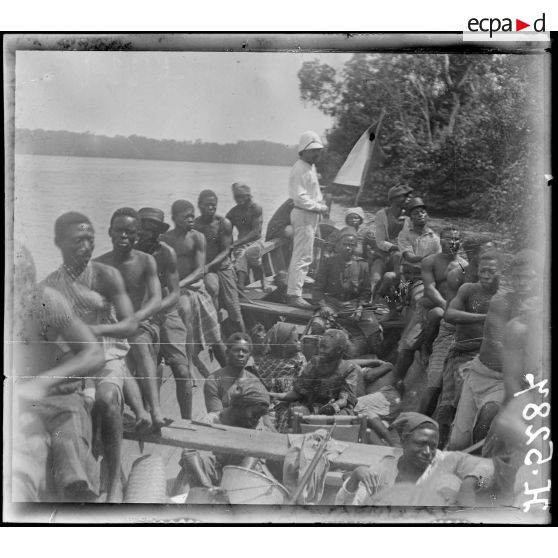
x=139 y=271
x=304 y=190
x=483 y=388
x=194 y=304
x=219 y=274
x=98 y=296
x=247 y=217
x=172 y=328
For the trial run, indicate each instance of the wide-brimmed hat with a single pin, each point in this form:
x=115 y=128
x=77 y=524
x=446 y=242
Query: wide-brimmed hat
x=309 y=140
x=400 y=190
x=413 y=203
x=156 y=215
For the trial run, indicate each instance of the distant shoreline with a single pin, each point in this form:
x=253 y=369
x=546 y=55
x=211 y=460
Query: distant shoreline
x=146 y=159
x=73 y=144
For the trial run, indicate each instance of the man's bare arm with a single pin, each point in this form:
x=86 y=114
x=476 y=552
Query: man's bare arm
x=430 y=290
x=515 y=334
x=170 y=279
x=227 y=240
x=87 y=358
x=152 y=303
x=199 y=259
x=456 y=313
x=254 y=234
x=112 y=286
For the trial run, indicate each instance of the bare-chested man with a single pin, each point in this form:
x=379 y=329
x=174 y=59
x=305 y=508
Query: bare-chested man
x=467 y=312
x=483 y=386
x=526 y=386
x=220 y=277
x=435 y=271
x=98 y=296
x=195 y=306
x=139 y=271
x=429 y=308
x=172 y=328
x=247 y=217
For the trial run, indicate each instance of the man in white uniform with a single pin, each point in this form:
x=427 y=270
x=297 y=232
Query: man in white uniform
x=304 y=190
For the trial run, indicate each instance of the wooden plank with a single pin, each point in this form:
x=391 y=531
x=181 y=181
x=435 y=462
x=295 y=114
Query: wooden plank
x=267 y=445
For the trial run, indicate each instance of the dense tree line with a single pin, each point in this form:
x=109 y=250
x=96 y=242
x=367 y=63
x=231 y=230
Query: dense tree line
x=464 y=130
x=60 y=142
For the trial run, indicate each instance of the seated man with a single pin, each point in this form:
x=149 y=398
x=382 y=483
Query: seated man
x=328 y=384
x=219 y=275
x=378 y=400
x=52 y=444
x=512 y=435
x=417 y=241
x=98 y=296
x=341 y=291
x=467 y=310
x=172 y=328
x=483 y=392
x=139 y=271
x=384 y=254
x=247 y=217
x=195 y=305
x=448 y=477
x=435 y=272
x=249 y=402
x=219 y=385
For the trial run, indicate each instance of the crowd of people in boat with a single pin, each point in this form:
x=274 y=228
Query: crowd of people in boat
x=91 y=337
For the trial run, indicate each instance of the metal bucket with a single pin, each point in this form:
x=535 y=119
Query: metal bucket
x=245 y=486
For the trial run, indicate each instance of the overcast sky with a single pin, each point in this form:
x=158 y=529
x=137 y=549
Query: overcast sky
x=218 y=97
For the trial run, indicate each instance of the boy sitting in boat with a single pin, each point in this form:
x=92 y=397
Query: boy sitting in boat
x=247 y=217
x=341 y=291
x=328 y=384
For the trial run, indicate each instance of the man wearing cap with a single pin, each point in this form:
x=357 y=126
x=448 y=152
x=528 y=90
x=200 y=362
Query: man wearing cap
x=341 y=291
x=416 y=242
x=172 y=328
x=219 y=274
x=388 y=223
x=247 y=217
x=249 y=402
x=195 y=306
x=448 y=477
x=304 y=190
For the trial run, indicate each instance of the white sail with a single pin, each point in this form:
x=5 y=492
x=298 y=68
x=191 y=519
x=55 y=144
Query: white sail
x=356 y=163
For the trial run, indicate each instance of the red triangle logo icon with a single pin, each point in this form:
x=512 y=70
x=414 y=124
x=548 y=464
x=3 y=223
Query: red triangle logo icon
x=519 y=25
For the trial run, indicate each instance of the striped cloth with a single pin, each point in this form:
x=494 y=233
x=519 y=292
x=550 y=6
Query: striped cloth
x=198 y=313
x=440 y=349
x=88 y=304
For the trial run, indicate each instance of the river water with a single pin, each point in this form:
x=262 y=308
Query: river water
x=47 y=186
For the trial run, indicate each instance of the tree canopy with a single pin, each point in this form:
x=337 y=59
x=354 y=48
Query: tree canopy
x=466 y=131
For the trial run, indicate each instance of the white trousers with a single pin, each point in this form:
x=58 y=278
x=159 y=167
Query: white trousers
x=304 y=224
